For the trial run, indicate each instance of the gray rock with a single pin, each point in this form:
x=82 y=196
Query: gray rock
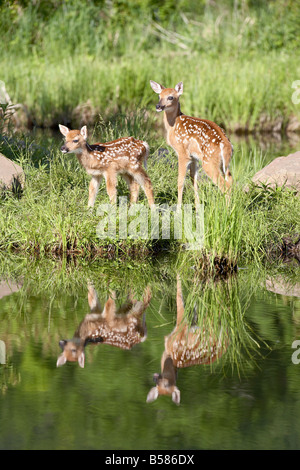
x=281 y=171
x=8 y=288
x=293 y=125
x=282 y=286
x=11 y=174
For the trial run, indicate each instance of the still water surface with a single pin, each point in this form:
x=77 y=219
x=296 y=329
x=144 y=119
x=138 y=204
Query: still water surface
x=242 y=391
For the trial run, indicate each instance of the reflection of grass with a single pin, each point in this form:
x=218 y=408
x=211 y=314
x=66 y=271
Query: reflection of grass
x=219 y=308
x=50 y=291
x=53 y=295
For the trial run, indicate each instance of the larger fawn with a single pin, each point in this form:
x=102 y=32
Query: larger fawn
x=123 y=327
x=123 y=156
x=194 y=139
x=185 y=346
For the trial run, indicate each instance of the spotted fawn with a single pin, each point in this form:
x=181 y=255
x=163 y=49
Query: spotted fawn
x=194 y=139
x=187 y=345
x=124 y=156
x=123 y=327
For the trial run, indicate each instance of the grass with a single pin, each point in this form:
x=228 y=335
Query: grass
x=237 y=64
x=51 y=216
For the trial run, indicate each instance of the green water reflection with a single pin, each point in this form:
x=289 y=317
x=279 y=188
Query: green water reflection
x=246 y=396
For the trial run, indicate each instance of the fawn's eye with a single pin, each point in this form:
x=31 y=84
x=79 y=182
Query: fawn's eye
x=170 y=97
x=76 y=141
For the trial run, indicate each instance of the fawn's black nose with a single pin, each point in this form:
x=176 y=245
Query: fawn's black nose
x=159 y=107
x=64 y=149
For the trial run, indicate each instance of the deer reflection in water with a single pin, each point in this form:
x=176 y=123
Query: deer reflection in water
x=187 y=345
x=123 y=327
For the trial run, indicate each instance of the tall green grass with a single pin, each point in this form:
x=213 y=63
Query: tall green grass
x=237 y=61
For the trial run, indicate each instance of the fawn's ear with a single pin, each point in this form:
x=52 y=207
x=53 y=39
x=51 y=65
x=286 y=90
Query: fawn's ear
x=61 y=360
x=152 y=395
x=156 y=87
x=63 y=129
x=179 y=88
x=176 y=396
x=83 y=132
x=81 y=359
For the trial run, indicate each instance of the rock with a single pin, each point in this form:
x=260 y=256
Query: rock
x=84 y=114
x=293 y=125
x=268 y=125
x=281 y=171
x=11 y=174
x=12 y=115
x=8 y=288
x=282 y=286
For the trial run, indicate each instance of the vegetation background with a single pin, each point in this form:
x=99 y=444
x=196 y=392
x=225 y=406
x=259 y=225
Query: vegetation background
x=237 y=58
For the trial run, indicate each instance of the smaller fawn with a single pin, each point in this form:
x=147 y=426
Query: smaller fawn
x=123 y=328
x=123 y=156
x=194 y=139
x=185 y=346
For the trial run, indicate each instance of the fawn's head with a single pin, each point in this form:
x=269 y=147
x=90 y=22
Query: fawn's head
x=74 y=140
x=73 y=351
x=163 y=387
x=165 y=382
x=168 y=97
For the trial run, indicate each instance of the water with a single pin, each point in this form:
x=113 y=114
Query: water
x=248 y=398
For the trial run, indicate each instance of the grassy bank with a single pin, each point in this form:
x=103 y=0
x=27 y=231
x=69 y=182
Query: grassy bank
x=74 y=65
x=51 y=216
x=69 y=64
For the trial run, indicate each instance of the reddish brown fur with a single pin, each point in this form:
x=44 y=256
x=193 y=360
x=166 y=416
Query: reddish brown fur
x=194 y=139
x=123 y=156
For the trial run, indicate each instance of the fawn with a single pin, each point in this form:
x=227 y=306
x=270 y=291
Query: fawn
x=123 y=156
x=185 y=346
x=123 y=328
x=194 y=139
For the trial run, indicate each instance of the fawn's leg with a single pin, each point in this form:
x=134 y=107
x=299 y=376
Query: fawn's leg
x=214 y=172
x=93 y=300
x=93 y=189
x=183 y=162
x=134 y=188
x=143 y=179
x=194 y=176
x=111 y=186
x=228 y=178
